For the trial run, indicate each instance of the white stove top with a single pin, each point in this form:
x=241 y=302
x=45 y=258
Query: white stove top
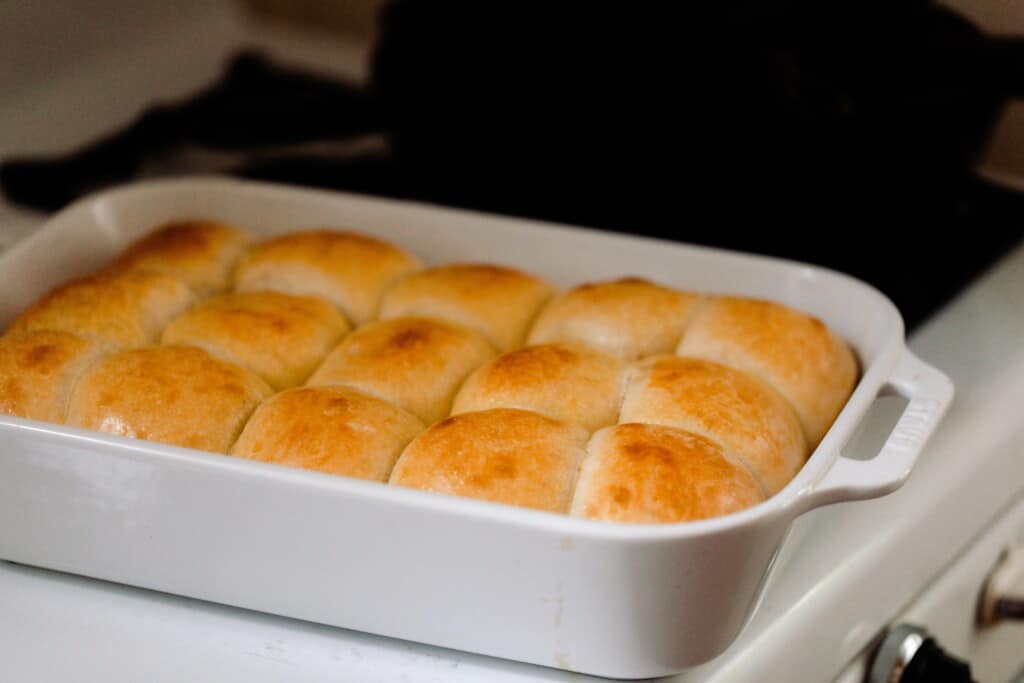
x=850 y=569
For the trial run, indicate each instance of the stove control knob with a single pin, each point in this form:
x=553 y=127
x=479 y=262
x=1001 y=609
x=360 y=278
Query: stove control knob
x=909 y=655
x=1002 y=598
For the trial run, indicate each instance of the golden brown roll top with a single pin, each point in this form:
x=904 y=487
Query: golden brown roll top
x=348 y=269
x=126 y=309
x=727 y=406
x=415 y=363
x=795 y=353
x=646 y=473
x=496 y=301
x=567 y=382
x=328 y=429
x=706 y=432
x=502 y=455
x=174 y=394
x=629 y=318
x=280 y=337
x=38 y=369
x=200 y=252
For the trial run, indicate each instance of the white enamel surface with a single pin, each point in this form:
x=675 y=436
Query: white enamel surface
x=856 y=568
x=950 y=604
x=807 y=625
x=928 y=393
x=611 y=599
x=851 y=570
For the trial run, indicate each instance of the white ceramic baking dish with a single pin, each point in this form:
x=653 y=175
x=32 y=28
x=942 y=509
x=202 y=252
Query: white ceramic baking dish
x=625 y=601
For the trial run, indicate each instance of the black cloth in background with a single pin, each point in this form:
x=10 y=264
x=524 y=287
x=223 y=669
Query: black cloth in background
x=840 y=133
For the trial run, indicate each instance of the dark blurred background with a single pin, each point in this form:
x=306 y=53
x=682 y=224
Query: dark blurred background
x=847 y=134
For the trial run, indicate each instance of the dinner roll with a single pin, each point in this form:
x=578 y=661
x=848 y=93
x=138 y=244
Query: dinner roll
x=628 y=318
x=726 y=405
x=38 y=369
x=496 y=301
x=793 y=352
x=329 y=429
x=648 y=473
x=348 y=269
x=415 y=363
x=280 y=337
x=174 y=394
x=126 y=309
x=200 y=252
x=502 y=455
x=567 y=382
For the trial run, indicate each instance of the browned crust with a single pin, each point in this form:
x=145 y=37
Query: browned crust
x=415 y=363
x=567 y=382
x=329 y=429
x=201 y=252
x=126 y=309
x=629 y=318
x=496 y=301
x=795 y=353
x=173 y=394
x=643 y=473
x=349 y=269
x=501 y=455
x=726 y=405
x=38 y=369
x=281 y=337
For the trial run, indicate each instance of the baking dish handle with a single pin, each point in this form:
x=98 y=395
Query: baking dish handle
x=929 y=393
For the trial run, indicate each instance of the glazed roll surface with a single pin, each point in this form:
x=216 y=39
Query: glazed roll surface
x=502 y=455
x=349 y=269
x=654 y=474
x=496 y=301
x=629 y=318
x=200 y=252
x=328 y=429
x=416 y=363
x=567 y=382
x=127 y=309
x=725 y=405
x=39 y=368
x=179 y=395
x=280 y=337
x=795 y=353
